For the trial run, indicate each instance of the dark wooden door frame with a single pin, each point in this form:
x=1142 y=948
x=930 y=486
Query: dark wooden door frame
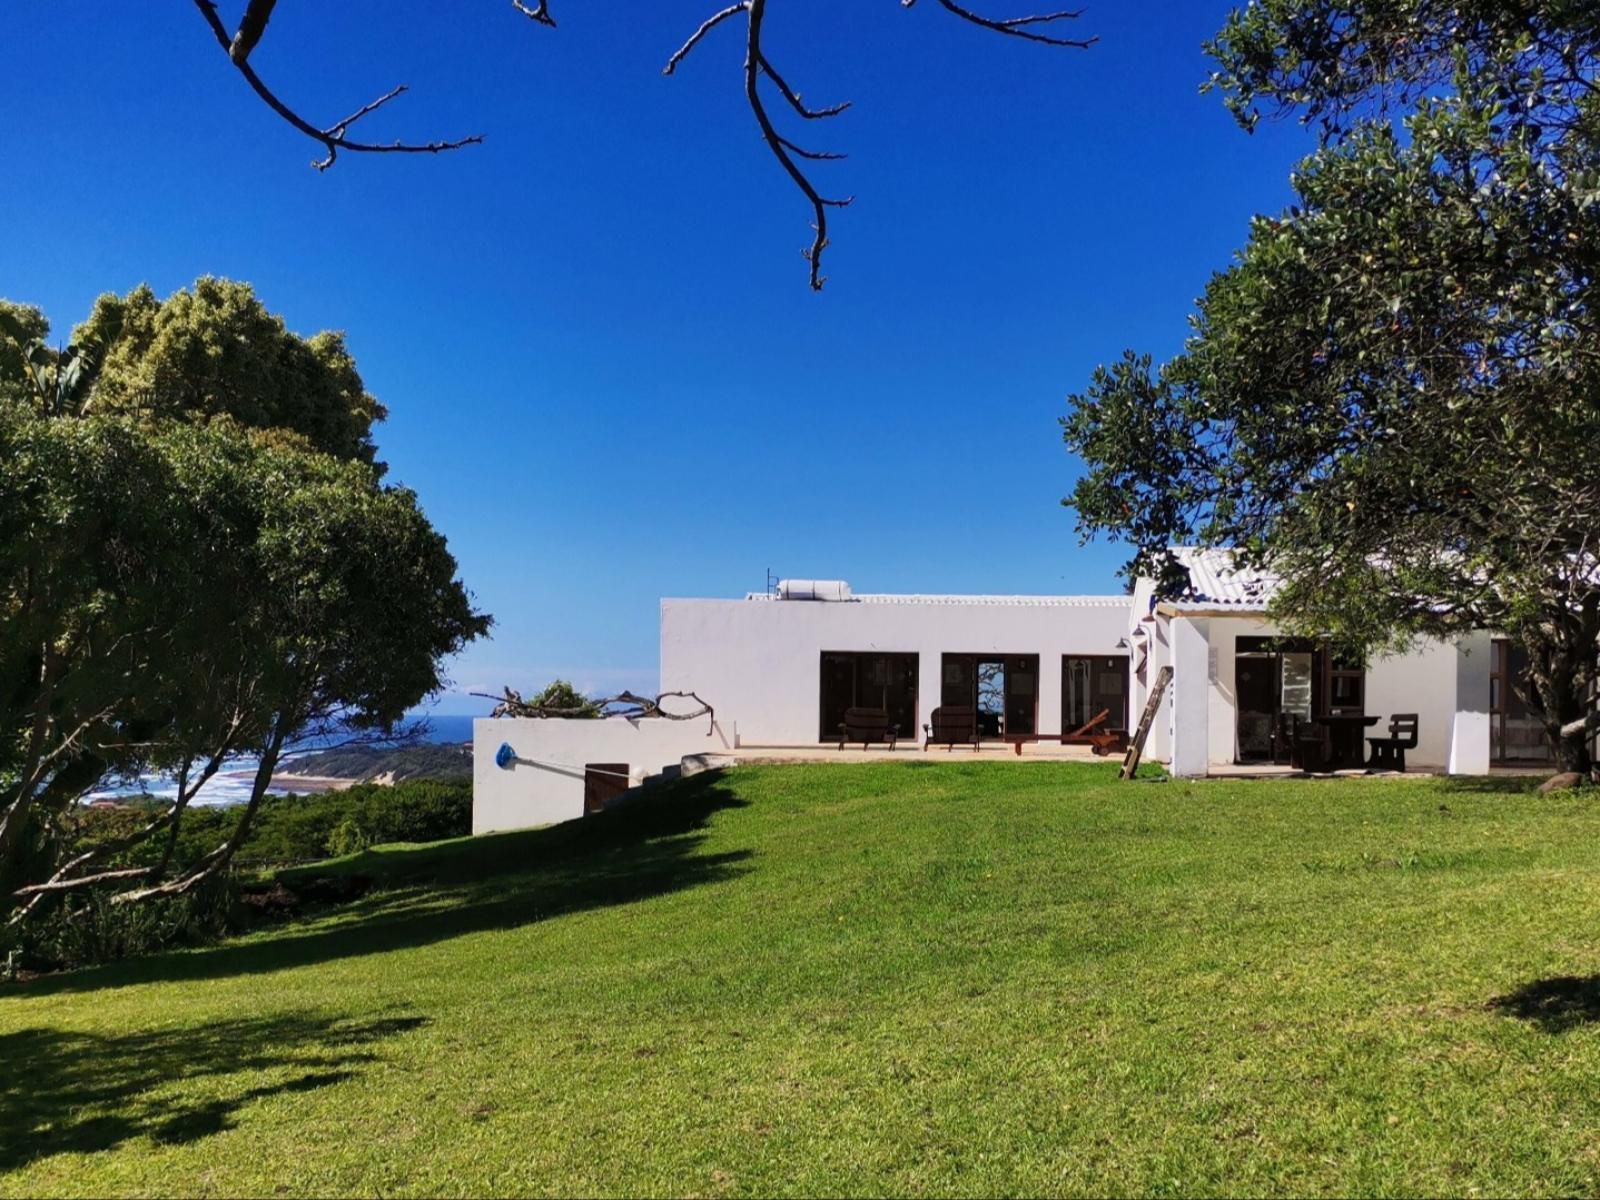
x=1116 y=720
x=1007 y=660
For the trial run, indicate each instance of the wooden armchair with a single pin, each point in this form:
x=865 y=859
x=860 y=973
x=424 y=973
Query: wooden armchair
x=867 y=725
x=952 y=724
x=1389 y=753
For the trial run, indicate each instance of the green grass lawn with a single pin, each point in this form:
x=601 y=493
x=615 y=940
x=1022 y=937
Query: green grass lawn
x=905 y=978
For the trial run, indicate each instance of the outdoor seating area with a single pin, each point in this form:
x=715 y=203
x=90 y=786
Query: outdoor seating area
x=1334 y=742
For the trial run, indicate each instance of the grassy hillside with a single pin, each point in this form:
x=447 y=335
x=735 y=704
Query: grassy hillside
x=907 y=978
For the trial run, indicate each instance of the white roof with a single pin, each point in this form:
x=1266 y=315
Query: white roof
x=1215 y=581
x=1001 y=601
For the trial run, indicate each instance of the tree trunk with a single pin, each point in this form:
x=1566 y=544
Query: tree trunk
x=1560 y=688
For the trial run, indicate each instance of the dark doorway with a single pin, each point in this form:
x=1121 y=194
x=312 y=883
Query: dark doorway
x=1003 y=688
x=1272 y=679
x=881 y=681
x=1276 y=678
x=1090 y=686
x=1516 y=736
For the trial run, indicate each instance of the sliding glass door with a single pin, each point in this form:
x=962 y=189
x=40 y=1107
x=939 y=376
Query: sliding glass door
x=1091 y=686
x=880 y=681
x=1002 y=688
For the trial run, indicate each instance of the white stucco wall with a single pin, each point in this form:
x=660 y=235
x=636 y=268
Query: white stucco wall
x=759 y=661
x=546 y=786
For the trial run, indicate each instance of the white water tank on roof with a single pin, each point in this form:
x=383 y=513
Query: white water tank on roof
x=813 y=589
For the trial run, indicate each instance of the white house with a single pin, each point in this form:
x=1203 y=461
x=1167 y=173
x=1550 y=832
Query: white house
x=785 y=666
x=1234 y=682
x=781 y=668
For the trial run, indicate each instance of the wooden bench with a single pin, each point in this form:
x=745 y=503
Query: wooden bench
x=1094 y=734
x=867 y=725
x=1389 y=754
x=952 y=724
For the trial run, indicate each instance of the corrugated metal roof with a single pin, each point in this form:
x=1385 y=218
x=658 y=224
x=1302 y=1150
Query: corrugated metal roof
x=1215 y=581
x=1001 y=601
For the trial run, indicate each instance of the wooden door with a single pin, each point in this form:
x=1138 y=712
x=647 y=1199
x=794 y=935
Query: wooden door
x=602 y=781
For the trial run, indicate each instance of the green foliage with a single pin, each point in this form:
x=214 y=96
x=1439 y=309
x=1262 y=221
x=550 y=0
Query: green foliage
x=80 y=929
x=92 y=928
x=886 y=979
x=300 y=828
x=1388 y=400
x=199 y=559
x=215 y=351
x=561 y=695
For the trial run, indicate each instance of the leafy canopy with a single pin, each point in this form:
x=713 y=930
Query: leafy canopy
x=1389 y=398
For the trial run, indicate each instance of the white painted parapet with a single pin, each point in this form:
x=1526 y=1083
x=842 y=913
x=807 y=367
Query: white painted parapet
x=541 y=782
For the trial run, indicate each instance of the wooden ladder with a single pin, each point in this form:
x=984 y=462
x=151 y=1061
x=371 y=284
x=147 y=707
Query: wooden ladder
x=1130 y=762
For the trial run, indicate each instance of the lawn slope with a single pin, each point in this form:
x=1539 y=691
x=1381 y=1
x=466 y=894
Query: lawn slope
x=921 y=977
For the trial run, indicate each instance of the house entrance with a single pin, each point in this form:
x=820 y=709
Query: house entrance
x=1002 y=688
x=1275 y=679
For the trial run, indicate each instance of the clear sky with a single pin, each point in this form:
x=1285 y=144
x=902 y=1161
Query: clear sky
x=606 y=376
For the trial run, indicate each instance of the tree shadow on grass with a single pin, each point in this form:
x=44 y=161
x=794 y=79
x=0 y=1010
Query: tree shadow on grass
x=65 y=1092
x=500 y=881
x=1557 y=1005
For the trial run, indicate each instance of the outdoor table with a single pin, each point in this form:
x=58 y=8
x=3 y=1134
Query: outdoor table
x=1346 y=735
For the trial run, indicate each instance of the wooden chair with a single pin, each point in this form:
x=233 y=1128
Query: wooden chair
x=1308 y=744
x=867 y=725
x=1094 y=734
x=1389 y=754
x=952 y=724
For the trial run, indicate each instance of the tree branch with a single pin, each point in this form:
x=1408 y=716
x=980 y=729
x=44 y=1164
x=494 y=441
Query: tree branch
x=706 y=27
x=1018 y=26
x=624 y=704
x=539 y=12
x=333 y=137
x=251 y=26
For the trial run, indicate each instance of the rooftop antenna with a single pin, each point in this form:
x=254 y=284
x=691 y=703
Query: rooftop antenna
x=772 y=581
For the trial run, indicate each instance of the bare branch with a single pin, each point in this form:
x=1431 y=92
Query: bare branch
x=624 y=704
x=1018 y=26
x=332 y=138
x=539 y=13
x=815 y=155
x=793 y=97
x=706 y=27
x=752 y=89
x=251 y=26
x=337 y=130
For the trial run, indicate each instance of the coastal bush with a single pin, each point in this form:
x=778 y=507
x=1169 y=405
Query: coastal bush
x=302 y=828
x=77 y=929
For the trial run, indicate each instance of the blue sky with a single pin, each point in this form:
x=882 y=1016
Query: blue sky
x=606 y=375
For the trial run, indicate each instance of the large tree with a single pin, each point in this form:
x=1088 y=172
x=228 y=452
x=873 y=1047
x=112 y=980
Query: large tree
x=213 y=350
x=1392 y=399
x=180 y=588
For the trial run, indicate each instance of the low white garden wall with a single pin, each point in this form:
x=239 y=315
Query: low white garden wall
x=543 y=784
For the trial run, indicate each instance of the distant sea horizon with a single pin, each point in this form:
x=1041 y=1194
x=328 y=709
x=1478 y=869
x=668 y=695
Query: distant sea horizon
x=231 y=785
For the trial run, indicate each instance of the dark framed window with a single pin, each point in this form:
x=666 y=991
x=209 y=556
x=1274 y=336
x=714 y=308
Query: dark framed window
x=867 y=680
x=1090 y=685
x=1516 y=735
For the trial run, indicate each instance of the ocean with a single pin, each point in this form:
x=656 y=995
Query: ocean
x=231 y=785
